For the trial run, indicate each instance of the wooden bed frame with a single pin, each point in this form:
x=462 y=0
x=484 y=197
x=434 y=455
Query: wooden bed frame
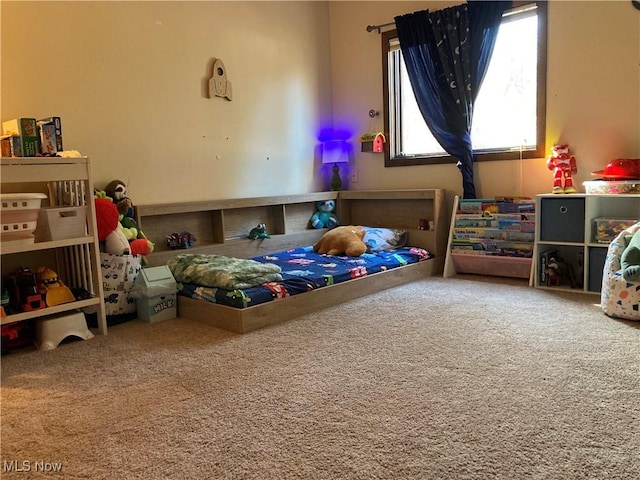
x=221 y=227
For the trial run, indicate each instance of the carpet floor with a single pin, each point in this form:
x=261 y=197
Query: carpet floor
x=459 y=378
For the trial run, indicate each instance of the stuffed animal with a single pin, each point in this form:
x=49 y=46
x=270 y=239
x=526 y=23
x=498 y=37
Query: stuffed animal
x=107 y=221
x=259 y=232
x=117 y=191
x=558 y=271
x=141 y=246
x=346 y=240
x=630 y=259
x=324 y=216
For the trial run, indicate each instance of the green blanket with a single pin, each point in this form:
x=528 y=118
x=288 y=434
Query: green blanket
x=630 y=259
x=222 y=272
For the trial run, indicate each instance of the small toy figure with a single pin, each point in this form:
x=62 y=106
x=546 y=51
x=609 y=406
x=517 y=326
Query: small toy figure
x=563 y=165
x=53 y=290
x=23 y=291
x=559 y=271
x=183 y=239
x=259 y=232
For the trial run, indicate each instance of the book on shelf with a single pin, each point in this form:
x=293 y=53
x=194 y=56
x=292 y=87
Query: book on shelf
x=476 y=222
x=475 y=232
x=543 y=259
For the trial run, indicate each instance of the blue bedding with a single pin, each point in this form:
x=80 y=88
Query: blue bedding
x=304 y=270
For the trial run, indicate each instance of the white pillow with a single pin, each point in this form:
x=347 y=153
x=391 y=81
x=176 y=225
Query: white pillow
x=379 y=239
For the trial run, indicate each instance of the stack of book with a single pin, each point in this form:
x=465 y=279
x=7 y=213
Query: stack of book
x=502 y=226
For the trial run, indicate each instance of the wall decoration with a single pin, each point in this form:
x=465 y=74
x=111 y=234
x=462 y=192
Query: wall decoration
x=219 y=86
x=372 y=142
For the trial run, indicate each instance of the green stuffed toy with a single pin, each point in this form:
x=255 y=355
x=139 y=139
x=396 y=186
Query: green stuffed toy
x=630 y=259
x=324 y=216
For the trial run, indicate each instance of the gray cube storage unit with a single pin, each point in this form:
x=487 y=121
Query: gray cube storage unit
x=562 y=219
x=568 y=224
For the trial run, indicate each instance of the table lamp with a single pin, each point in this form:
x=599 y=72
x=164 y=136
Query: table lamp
x=335 y=151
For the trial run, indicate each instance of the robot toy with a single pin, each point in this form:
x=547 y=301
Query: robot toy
x=563 y=165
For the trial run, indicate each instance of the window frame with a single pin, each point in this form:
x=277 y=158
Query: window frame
x=482 y=155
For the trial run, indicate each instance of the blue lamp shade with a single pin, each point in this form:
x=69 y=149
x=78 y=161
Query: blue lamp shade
x=335 y=151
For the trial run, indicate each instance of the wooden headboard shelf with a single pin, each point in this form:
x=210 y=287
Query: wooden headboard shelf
x=222 y=226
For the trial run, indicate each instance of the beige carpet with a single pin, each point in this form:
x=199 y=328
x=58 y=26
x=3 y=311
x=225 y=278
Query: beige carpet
x=462 y=378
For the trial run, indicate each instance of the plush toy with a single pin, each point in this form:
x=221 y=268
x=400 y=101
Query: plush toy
x=107 y=221
x=324 y=216
x=558 y=271
x=630 y=259
x=259 y=232
x=342 y=240
x=117 y=191
x=141 y=246
x=563 y=165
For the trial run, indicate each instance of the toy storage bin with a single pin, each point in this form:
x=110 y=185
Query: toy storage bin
x=19 y=216
x=119 y=273
x=607 y=229
x=611 y=187
x=59 y=223
x=155 y=291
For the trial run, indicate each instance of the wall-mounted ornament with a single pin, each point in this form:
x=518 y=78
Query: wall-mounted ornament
x=372 y=142
x=219 y=86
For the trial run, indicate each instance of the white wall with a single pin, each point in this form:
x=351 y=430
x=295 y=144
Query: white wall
x=128 y=80
x=593 y=94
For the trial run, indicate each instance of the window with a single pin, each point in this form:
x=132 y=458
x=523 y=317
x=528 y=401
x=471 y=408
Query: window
x=509 y=112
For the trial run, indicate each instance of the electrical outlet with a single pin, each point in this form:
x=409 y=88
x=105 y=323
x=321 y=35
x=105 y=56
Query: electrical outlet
x=354 y=175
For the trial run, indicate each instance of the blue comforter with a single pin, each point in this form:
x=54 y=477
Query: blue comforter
x=303 y=270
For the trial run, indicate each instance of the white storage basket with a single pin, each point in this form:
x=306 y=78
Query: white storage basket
x=19 y=216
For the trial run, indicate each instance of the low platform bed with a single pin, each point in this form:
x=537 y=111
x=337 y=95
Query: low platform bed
x=397 y=209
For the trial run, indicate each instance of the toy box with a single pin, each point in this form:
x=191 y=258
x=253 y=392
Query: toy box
x=11 y=146
x=52 y=126
x=27 y=129
x=119 y=273
x=612 y=187
x=155 y=291
x=607 y=229
x=48 y=139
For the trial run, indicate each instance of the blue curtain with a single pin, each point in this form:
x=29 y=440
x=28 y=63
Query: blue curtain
x=447 y=53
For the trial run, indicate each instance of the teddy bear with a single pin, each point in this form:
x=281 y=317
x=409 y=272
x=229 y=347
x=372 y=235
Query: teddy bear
x=345 y=240
x=324 y=216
